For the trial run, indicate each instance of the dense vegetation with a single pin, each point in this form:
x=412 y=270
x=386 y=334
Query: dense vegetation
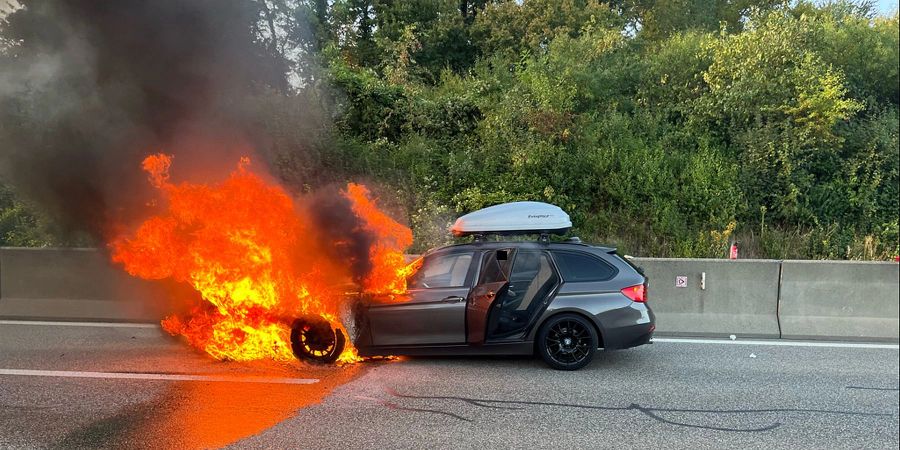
x=668 y=128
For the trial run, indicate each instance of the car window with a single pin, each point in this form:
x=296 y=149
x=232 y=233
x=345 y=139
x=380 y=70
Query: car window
x=442 y=271
x=579 y=267
x=532 y=279
x=495 y=266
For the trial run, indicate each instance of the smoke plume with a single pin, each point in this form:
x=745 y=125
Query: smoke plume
x=334 y=217
x=88 y=89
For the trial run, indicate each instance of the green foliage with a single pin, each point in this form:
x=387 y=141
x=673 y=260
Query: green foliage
x=660 y=19
x=665 y=127
x=672 y=142
x=672 y=76
x=510 y=27
x=771 y=74
x=865 y=51
x=20 y=226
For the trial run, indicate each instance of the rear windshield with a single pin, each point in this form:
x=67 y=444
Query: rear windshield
x=580 y=267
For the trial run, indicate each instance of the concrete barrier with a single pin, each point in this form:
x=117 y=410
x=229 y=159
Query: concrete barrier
x=749 y=298
x=840 y=299
x=718 y=297
x=75 y=284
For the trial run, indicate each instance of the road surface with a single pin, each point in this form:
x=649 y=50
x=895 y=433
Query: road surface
x=115 y=386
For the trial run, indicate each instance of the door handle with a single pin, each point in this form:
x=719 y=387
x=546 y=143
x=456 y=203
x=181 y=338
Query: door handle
x=452 y=299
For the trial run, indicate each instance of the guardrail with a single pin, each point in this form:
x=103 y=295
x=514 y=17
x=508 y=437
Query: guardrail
x=697 y=297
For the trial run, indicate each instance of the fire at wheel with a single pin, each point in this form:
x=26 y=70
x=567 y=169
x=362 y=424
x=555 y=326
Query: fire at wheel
x=259 y=257
x=314 y=339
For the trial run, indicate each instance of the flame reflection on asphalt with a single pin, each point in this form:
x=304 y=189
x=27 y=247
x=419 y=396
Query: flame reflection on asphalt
x=215 y=414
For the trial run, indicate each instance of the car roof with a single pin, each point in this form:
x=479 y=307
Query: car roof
x=492 y=245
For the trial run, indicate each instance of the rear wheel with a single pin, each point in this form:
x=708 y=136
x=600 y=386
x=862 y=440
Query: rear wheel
x=567 y=342
x=313 y=339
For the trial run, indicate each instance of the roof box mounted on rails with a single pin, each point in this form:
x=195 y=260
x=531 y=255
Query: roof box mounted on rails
x=514 y=218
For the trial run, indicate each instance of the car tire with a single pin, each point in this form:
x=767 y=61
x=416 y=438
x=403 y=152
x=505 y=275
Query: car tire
x=567 y=342
x=313 y=339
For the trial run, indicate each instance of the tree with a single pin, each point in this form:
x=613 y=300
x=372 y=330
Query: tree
x=515 y=27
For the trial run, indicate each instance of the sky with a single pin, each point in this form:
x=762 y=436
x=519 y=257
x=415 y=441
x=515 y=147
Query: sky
x=886 y=7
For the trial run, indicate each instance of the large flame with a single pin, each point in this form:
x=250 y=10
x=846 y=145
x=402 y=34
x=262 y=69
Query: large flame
x=256 y=258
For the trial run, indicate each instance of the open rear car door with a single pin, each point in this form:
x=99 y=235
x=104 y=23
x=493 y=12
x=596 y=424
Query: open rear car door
x=493 y=280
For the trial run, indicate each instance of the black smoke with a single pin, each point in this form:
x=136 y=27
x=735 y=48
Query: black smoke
x=88 y=88
x=337 y=223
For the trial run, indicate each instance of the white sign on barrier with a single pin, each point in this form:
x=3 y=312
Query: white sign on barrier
x=681 y=281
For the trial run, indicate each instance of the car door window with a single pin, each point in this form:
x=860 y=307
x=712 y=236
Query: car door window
x=531 y=280
x=442 y=271
x=531 y=277
x=495 y=266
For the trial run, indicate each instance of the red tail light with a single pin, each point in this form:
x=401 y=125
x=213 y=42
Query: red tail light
x=637 y=293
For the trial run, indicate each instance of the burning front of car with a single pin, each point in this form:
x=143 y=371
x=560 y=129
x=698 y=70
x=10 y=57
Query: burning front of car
x=269 y=270
x=94 y=90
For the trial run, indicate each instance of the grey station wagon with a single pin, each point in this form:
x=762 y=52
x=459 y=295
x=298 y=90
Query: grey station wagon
x=561 y=300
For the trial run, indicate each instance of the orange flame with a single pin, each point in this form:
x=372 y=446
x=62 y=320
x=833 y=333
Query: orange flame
x=389 y=270
x=255 y=259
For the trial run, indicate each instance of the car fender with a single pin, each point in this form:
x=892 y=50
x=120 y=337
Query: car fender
x=593 y=306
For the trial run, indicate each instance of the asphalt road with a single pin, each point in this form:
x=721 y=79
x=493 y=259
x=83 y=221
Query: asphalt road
x=133 y=387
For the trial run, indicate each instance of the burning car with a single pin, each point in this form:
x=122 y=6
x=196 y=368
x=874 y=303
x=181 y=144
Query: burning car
x=560 y=300
x=270 y=272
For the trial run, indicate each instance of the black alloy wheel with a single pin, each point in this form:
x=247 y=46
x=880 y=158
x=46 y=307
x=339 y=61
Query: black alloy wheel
x=313 y=339
x=567 y=342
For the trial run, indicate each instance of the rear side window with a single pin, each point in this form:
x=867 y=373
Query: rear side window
x=578 y=267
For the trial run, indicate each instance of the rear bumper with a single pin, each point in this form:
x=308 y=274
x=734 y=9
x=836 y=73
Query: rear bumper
x=627 y=327
x=633 y=337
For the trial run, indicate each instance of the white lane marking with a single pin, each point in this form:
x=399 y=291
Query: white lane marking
x=784 y=343
x=778 y=343
x=155 y=376
x=80 y=324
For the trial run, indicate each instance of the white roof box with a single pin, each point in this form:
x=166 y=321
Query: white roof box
x=514 y=218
